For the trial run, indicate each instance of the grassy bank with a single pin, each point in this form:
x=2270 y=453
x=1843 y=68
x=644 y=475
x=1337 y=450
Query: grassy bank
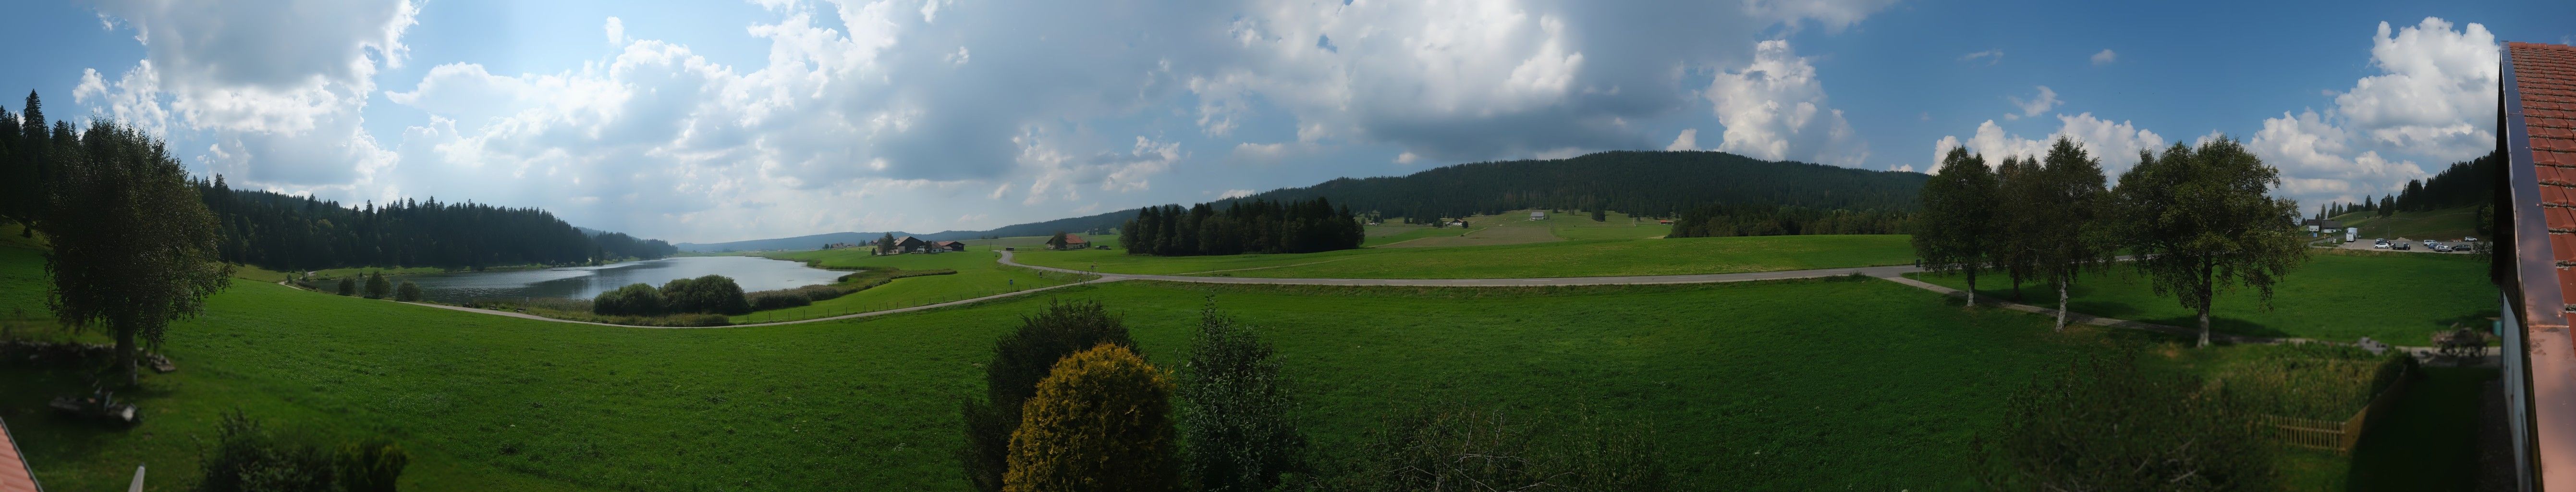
x=2398 y=298
x=978 y=275
x=1553 y=259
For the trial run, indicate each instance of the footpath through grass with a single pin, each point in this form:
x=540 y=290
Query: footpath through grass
x=2393 y=297
x=1552 y=259
x=1799 y=385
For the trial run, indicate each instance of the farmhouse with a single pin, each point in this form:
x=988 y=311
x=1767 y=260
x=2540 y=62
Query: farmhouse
x=908 y=244
x=1069 y=241
x=948 y=246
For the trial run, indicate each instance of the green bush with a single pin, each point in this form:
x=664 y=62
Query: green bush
x=1020 y=360
x=631 y=300
x=408 y=292
x=248 y=457
x=768 y=300
x=1235 y=423
x=1102 y=420
x=371 y=465
x=716 y=294
x=2101 y=424
x=348 y=287
x=1449 y=446
x=376 y=286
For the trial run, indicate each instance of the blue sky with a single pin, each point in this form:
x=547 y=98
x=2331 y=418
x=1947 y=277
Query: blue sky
x=715 y=121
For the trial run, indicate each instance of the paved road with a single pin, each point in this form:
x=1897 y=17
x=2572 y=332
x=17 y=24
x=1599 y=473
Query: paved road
x=1881 y=272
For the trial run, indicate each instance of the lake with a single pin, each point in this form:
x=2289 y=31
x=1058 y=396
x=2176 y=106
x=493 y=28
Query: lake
x=754 y=274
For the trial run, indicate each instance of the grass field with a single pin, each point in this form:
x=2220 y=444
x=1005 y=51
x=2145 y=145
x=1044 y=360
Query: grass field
x=978 y=275
x=2393 y=297
x=1552 y=259
x=1384 y=235
x=2440 y=224
x=1796 y=385
x=487 y=402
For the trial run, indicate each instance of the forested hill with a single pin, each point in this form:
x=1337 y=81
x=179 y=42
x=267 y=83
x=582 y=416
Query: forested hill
x=1647 y=183
x=1631 y=182
x=1651 y=183
x=294 y=233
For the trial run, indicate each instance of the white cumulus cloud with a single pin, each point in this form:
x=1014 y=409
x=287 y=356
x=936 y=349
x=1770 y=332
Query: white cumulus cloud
x=1689 y=140
x=2105 y=57
x=1774 y=108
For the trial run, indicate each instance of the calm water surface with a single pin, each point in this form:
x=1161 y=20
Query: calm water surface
x=587 y=282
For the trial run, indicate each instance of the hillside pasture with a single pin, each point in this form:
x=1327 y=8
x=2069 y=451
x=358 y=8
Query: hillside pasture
x=978 y=275
x=1547 y=259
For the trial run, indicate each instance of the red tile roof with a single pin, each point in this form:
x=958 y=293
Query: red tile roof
x=2536 y=131
x=2545 y=81
x=14 y=474
x=1075 y=239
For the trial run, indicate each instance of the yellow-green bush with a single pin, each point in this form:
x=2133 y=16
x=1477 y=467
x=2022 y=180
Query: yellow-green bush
x=1101 y=421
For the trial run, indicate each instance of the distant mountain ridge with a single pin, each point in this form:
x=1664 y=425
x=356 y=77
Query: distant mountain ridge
x=1649 y=183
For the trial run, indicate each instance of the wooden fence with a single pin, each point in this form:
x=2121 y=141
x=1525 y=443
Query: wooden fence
x=2330 y=435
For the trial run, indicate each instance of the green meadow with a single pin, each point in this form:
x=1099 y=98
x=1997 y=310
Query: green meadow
x=1726 y=374
x=1549 y=259
x=2399 y=298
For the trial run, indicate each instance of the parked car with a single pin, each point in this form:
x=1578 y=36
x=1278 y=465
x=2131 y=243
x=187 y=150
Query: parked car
x=2468 y=239
x=2403 y=247
x=2441 y=248
x=2379 y=245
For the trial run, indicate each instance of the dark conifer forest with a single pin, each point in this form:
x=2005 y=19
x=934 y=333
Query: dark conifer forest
x=1256 y=226
x=284 y=232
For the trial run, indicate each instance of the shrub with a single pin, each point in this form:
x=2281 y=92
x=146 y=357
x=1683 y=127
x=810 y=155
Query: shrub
x=1236 y=417
x=371 y=465
x=247 y=457
x=1443 y=446
x=348 y=287
x=376 y=286
x=768 y=300
x=408 y=292
x=709 y=294
x=1020 y=360
x=1100 y=421
x=2099 y=424
x=631 y=300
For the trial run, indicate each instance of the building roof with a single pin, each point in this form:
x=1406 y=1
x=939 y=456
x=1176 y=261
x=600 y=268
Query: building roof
x=942 y=243
x=906 y=239
x=2536 y=130
x=1071 y=238
x=15 y=476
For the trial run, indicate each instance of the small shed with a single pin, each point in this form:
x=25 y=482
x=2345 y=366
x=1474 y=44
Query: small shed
x=1536 y=215
x=948 y=246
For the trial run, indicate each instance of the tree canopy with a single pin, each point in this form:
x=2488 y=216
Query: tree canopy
x=2202 y=221
x=132 y=247
x=1956 y=231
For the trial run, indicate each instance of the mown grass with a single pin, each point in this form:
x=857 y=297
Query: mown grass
x=1786 y=385
x=1398 y=234
x=2397 y=298
x=1553 y=259
x=2438 y=224
x=978 y=275
x=1638 y=231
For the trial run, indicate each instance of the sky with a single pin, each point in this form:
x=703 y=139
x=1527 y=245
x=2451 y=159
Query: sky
x=725 y=120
